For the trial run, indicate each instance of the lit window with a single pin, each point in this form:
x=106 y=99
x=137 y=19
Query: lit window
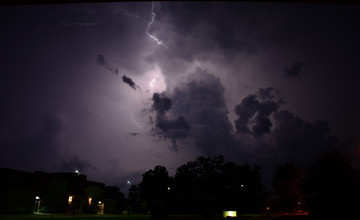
x=70 y=199
x=90 y=199
x=229 y=213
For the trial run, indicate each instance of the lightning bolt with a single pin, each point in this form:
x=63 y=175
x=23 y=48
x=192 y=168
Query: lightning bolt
x=79 y=23
x=89 y=13
x=64 y=24
x=152 y=82
x=135 y=122
x=88 y=10
x=153 y=15
x=131 y=14
x=149 y=23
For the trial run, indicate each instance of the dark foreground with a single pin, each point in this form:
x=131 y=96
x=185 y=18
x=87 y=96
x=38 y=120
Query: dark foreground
x=141 y=217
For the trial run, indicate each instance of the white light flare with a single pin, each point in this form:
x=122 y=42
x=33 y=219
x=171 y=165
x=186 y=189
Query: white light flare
x=157 y=82
x=152 y=82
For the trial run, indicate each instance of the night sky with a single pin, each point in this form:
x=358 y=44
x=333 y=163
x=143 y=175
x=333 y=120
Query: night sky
x=114 y=89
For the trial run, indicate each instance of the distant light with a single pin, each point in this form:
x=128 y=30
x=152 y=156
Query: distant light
x=99 y=202
x=90 y=199
x=77 y=171
x=242 y=185
x=229 y=214
x=267 y=208
x=169 y=188
x=70 y=200
x=37 y=197
x=128 y=182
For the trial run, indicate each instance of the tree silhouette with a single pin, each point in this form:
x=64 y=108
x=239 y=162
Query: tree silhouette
x=287 y=187
x=197 y=184
x=210 y=185
x=332 y=187
x=154 y=190
x=205 y=186
x=134 y=198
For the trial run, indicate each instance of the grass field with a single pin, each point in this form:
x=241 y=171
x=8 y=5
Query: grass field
x=138 y=217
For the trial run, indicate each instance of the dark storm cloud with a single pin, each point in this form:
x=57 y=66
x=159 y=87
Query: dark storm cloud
x=245 y=110
x=179 y=123
x=294 y=71
x=37 y=152
x=130 y=82
x=195 y=28
x=134 y=134
x=74 y=163
x=201 y=101
x=173 y=129
x=296 y=139
x=268 y=93
x=200 y=30
x=288 y=137
x=161 y=103
x=100 y=60
x=254 y=112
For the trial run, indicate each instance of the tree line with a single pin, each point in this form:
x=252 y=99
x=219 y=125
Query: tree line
x=210 y=185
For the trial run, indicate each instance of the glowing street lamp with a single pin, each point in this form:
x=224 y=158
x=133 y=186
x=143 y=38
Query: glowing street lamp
x=37 y=204
x=70 y=200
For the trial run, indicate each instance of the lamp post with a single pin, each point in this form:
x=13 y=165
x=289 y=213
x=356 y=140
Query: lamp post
x=128 y=200
x=76 y=192
x=37 y=204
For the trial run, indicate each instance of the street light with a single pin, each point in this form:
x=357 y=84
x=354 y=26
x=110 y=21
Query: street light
x=77 y=190
x=37 y=204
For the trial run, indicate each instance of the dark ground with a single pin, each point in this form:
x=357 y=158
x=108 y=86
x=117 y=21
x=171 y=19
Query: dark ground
x=141 y=217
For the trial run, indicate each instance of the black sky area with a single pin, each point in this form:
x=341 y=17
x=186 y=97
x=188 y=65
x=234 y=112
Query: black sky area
x=114 y=89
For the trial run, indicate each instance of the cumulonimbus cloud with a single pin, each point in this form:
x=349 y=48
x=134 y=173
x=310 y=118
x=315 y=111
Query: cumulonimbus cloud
x=173 y=129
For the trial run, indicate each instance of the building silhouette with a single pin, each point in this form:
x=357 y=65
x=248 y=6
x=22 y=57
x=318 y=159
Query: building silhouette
x=25 y=192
